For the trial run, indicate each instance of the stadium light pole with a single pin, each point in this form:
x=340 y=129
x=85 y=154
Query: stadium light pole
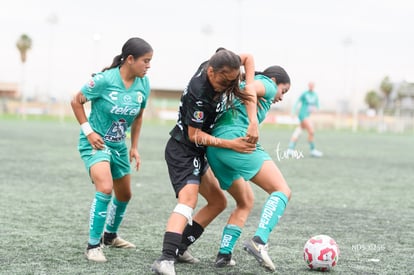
x=52 y=19
x=207 y=31
x=349 y=78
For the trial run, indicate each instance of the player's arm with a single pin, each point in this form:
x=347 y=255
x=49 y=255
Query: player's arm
x=78 y=109
x=135 y=134
x=252 y=134
x=200 y=137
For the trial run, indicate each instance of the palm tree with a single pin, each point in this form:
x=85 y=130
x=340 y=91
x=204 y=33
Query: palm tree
x=23 y=44
x=373 y=100
x=386 y=88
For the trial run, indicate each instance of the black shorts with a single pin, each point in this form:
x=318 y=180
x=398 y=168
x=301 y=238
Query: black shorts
x=186 y=165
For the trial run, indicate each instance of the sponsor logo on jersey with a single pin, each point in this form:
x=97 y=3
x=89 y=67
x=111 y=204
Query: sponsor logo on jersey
x=113 y=95
x=116 y=132
x=127 y=98
x=125 y=111
x=198 y=116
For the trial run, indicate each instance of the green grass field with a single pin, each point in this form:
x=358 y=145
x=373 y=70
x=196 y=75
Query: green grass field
x=360 y=193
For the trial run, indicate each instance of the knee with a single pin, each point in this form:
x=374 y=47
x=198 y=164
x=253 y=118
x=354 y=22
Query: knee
x=105 y=189
x=220 y=203
x=246 y=205
x=125 y=197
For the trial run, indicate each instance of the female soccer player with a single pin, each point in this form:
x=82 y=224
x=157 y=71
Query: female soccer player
x=118 y=98
x=309 y=102
x=233 y=171
x=203 y=100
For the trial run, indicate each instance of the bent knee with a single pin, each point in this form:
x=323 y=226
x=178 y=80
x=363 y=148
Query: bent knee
x=219 y=203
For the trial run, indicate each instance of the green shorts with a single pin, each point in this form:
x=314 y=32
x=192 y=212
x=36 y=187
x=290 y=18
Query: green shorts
x=117 y=156
x=229 y=165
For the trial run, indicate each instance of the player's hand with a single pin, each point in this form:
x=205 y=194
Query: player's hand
x=134 y=155
x=242 y=145
x=252 y=134
x=96 y=141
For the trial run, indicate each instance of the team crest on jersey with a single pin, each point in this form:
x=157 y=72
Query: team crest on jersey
x=198 y=116
x=91 y=84
x=140 y=97
x=116 y=132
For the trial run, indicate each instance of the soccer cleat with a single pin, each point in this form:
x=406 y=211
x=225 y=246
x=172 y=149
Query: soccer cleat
x=259 y=251
x=117 y=242
x=224 y=260
x=186 y=257
x=163 y=267
x=95 y=254
x=315 y=153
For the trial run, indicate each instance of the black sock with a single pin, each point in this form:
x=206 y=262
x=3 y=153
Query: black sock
x=170 y=245
x=108 y=237
x=90 y=246
x=257 y=239
x=190 y=235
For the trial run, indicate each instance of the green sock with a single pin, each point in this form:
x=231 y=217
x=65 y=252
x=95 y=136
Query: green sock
x=292 y=145
x=231 y=234
x=116 y=213
x=271 y=213
x=97 y=217
x=311 y=145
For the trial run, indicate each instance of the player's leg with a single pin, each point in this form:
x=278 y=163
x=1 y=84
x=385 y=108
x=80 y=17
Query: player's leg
x=116 y=212
x=182 y=169
x=215 y=197
x=102 y=178
x=270 y=179
x=307 y=125
x=216 y=203
x=242 y=193
x=294 y=138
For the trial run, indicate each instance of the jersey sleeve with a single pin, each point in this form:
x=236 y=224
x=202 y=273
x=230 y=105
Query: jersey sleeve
x=92 y=89
x=270 y=89
x=193 y=107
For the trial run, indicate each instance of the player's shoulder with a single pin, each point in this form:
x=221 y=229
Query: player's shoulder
x=198 y=87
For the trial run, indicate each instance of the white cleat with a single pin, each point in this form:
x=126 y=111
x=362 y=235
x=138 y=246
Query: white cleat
x=118 y=242
x=315 y=153
x=187 y=258
x=163 y=267
x=95 y=254
x=259 y=251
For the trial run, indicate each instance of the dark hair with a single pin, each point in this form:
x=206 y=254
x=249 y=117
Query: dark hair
x=135 y=46
x=224 y=59
x=278 y=73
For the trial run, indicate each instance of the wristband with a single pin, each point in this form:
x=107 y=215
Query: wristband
x=86 y=128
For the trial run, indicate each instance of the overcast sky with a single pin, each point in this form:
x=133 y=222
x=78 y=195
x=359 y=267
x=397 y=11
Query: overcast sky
x=345 y=47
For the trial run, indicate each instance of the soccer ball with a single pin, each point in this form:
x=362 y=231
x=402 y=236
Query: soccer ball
x=321 y=253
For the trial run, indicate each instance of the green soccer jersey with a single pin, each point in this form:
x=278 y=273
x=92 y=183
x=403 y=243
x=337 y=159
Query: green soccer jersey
x=113 y=107
x=229 y=165
x=236 y=119
x=309 y=102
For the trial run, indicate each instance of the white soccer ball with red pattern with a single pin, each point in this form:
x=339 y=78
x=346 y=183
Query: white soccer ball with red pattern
x=321 y=253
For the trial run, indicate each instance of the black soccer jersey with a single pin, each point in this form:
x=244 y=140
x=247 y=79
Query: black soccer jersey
x=200 y=107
